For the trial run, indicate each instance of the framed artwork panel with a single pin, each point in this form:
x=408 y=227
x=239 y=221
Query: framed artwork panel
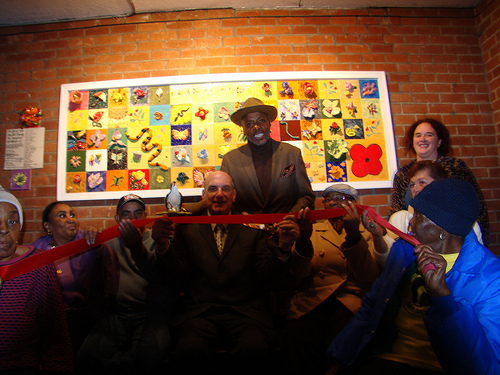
x=140 y=135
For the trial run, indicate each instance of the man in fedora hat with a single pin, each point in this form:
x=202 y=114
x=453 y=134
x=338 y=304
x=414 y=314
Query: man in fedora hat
x=269 y=176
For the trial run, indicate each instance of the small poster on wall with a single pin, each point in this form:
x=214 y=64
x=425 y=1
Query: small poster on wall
x=144 y=134
x=24 y=148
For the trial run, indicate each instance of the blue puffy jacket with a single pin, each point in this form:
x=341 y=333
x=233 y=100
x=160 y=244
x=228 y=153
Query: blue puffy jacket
x=463 y=327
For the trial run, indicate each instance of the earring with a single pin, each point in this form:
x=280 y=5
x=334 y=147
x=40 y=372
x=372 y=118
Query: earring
x=441 y=236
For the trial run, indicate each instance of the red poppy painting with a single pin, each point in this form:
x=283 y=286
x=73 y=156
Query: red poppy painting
x=366 y=160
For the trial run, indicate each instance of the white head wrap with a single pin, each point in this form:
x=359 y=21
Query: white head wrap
x=7 y=197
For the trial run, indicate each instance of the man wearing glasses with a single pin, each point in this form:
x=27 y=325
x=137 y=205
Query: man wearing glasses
x=335 y=261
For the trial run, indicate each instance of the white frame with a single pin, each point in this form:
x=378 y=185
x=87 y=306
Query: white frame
x=208 y=78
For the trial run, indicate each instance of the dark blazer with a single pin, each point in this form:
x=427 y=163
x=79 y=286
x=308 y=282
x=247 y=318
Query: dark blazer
x=236 y=279
x=290 y=188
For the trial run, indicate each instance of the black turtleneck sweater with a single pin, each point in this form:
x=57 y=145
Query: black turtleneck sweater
x=262 y=157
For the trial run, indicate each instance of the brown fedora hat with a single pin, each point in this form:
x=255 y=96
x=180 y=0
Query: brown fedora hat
x=254 y=105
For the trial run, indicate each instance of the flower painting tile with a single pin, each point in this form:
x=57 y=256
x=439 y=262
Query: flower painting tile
x=117 y=180
x=96 y=181
x=159 y=115
x=77 y=119
x=159 y=95
x=75 y=182
x=183 y=177
x=138 y=179
x=336 y=172
x=159 y=179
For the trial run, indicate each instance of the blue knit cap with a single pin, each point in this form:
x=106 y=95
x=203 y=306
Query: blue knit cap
x=451 y=204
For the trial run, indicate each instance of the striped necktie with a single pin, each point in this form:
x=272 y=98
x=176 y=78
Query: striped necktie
x=219 y=237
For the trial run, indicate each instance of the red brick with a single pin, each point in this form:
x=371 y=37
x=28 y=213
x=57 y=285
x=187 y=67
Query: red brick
x=236 y=22
x=180 y=63
x=397 y=58
x=304 y=30
x=176 y=44
x=219 y=32
x=105 y=30
x=293 y=39
x=124 y=48
x=208 y=42
x=124 y=38
x=244 y=31
x=110 y=39
x=349 y=39
x=357 y=48
x=236 y=41
x=31 y=65
x=209 y=61
x=249 y=50
x=129 y=67
x=94 y=70
x=151 y=46
x=266 y=59
x=164 y=35
x=331 y=30
x=111 y=59
x=262 y=21
x=224 y=69
x=332 y=49
x=220 y=13
x=355 y=30
x=320 y=39
x=323 y=59
x=192 y=34
x=237 y=60
x=198 y=53
x=278 y=50
x=223 y=51
x=302 y=50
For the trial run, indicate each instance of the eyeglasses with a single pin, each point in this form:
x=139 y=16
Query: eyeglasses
x=337 y=198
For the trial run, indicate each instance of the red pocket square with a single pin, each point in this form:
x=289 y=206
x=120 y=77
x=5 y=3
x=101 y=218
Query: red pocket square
x=288 y=171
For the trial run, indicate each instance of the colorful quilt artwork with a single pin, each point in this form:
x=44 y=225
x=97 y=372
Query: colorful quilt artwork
x=143 y=134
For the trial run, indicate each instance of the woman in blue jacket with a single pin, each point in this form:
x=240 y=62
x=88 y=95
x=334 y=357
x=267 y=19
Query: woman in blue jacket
x=435 y=307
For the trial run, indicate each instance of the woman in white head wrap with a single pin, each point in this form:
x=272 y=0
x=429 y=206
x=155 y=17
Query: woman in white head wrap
x=34 y=337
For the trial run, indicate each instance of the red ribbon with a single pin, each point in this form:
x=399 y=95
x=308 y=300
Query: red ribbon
x=72 y=248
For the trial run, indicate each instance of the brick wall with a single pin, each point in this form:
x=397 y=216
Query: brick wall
x=488 y=20
x=439 y=62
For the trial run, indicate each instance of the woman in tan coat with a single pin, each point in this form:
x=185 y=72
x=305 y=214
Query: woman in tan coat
x=335 y=261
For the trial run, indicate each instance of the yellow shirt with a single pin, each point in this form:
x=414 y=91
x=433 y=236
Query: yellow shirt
x=412 y=345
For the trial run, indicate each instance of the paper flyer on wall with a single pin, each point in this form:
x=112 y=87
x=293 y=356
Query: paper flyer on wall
x=24 y=148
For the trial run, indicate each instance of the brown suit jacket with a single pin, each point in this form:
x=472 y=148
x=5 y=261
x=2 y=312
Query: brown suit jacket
x=290 y=188
x=347 y=273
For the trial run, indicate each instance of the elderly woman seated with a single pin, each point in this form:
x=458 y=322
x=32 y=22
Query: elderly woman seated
x=435 y=307
x=34 y=337
x=335 y=262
